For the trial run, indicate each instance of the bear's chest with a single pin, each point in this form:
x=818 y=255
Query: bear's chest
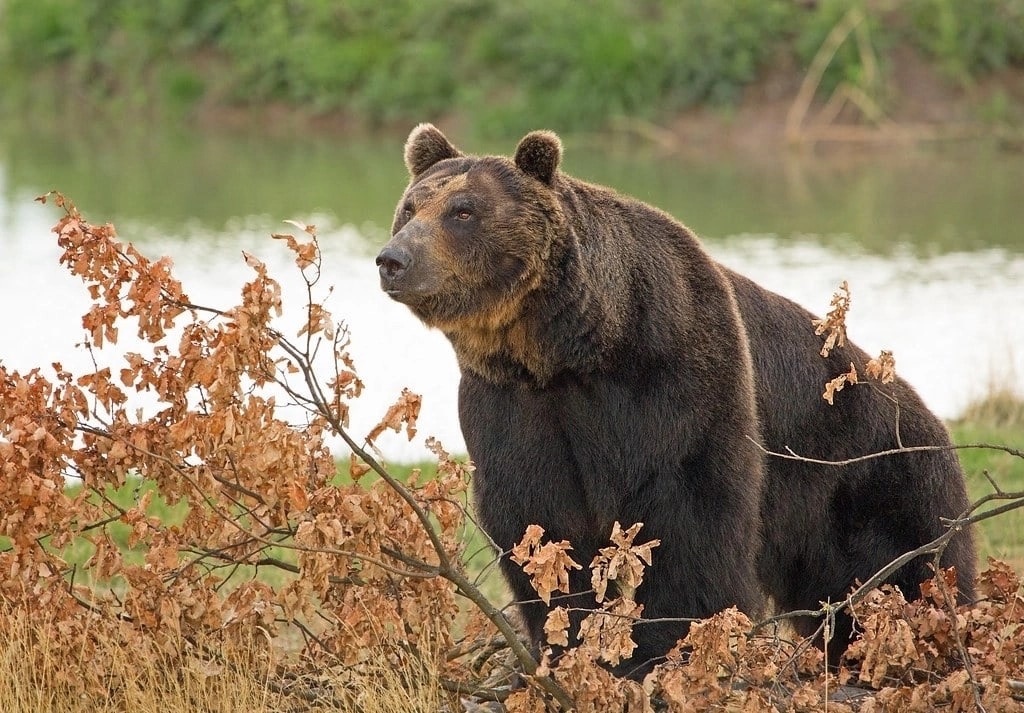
x=604 y=433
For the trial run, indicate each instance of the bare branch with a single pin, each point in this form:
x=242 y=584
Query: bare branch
x=791 y=455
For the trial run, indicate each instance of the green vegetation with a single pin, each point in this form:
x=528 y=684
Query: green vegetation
x=970 y=38
x=997 y=419
x=506 y=65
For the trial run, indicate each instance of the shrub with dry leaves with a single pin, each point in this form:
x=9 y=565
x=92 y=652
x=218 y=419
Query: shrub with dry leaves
x=274 y=556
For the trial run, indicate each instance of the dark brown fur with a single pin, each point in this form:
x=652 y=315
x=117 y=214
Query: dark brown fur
x=828 y=526
x=607 y=375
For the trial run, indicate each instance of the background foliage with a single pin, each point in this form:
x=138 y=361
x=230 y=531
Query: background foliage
x=574 y=65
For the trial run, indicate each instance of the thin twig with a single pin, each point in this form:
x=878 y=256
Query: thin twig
x=791 y=455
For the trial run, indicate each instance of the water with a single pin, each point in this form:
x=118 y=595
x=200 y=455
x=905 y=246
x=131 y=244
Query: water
x=931 y=243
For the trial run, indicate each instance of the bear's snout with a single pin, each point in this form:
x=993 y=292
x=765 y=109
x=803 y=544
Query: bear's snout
x=392 y=262
x=409 y=269
x=407 y=273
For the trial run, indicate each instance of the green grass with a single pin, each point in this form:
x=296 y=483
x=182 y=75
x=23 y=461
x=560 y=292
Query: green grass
x=477 y=556
x=127 y=496
x=996 y=419
x=1002 y=536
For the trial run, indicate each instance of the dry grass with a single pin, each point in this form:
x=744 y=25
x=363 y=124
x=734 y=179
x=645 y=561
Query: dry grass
x=36 y=677
x=1002 y=407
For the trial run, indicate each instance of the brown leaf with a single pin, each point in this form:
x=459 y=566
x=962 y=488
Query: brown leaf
x=547 y=564
x=406 y=410
x=608 y=633
x=622 y=563
x=298 y=496
x=999 y=581
x=556 y=628
x=357 y=470
x=882 y=368
x=837 y=384
x=306 y=254
x=834 y=322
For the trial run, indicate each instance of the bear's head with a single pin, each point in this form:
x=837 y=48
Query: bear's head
x=472 y=235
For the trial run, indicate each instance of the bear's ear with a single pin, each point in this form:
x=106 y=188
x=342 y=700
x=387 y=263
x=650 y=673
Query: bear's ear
x=538 y=155
x=426 y=146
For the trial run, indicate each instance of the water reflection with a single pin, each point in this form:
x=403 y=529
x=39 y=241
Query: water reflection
x=930 y=243
x=963 y=197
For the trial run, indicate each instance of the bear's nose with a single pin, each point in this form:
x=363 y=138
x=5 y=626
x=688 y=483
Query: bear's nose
x=393 y=261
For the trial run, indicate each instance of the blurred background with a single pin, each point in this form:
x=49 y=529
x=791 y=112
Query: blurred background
x=808 y=143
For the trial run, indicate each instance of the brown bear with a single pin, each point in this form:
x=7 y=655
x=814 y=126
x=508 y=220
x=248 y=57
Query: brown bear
x=613 y=371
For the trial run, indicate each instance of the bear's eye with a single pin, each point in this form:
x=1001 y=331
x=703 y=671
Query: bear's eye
x=407 y=208
x=462 y=213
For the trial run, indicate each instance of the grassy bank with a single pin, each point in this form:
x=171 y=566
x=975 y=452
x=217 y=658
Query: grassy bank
x=506 y=66
x=998 y=419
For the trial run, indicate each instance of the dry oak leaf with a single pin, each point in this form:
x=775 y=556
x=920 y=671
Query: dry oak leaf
x=623 y=562
x=837 y=384
x=526 y=700
x=356 y=470
x=999 y=582
x=547 y=565
x=718 y=642
x=887 y=646
x=835 y=321
x=556 y=628
x=406 y=410
x=318 y=320
x=593 y=687
x=608 y=633
x=883 y=367
x=306 y=254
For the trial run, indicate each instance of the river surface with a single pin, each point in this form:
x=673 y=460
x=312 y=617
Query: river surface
x=931 y=242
